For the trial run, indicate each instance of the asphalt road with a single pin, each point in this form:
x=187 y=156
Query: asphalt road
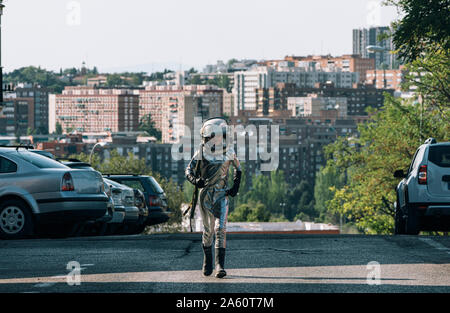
x=255 y=263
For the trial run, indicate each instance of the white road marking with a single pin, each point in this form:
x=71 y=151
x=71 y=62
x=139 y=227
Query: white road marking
x=391 y=274
x=43 y=285
x=435 y=244
x=58 y=278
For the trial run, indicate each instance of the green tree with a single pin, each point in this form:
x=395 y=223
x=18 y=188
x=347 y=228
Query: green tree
x=147 y=125
x=222 y=81
x=114 y=80
x=196 y=80
x=301 y=202
x=386 y=143
x=250 y=212
x=327 y=180
x=424 y=27
x=58 y=129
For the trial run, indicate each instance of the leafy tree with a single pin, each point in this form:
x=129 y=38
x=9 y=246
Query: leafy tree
x=327 y=178
x=192 y=71
x=301 y=202
x=250 y=212
x=259 y=190
x=148 y=126
x=386 y=143
x=114 y=80
x=231 y=62
x=270 y=190
x=196 y=80
x=430 y=73
x=58 y=129
x=222 y=81
x=424 y=27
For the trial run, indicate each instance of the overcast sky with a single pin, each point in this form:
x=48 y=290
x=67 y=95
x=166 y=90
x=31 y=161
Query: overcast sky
x=147 y=34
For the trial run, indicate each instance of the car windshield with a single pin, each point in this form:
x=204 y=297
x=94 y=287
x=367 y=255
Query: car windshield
x=155 y=185
x=115 y=184
x=440 y=155
x=39 y=160
x=135 y=184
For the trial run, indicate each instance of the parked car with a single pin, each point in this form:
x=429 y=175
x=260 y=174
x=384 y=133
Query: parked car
x=423 y=194
x=36 y=191
x=123 y=196
x=143 y=213
x=115 y=215
x=155 y=198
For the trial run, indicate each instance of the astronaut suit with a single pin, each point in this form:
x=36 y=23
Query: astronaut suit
x=211 y=178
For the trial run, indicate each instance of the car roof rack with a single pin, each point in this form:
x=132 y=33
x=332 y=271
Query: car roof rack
x=17 y=146
x=430 y=141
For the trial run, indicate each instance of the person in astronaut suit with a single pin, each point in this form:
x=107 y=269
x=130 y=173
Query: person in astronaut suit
x=215 y=156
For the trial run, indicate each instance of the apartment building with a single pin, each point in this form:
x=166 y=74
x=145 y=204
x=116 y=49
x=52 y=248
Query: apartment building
x=387 y=79
x=86 y=109
x=39 y=108
x=344 y=63
x=313 y=104
x=358 y=98
x=246 y=83
x=301 y=143
x=17 y=116
x=173 y=107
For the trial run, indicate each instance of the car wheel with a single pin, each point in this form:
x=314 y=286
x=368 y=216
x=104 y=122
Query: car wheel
x=102 y=229
x=412 y=221
x=16 y=221
x=111 y=229
x=400 y=223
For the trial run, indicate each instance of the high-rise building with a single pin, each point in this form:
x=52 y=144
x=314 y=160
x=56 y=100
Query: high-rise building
x=17 y=116
x=364 y=37
x=86 y=109
x=40 y=107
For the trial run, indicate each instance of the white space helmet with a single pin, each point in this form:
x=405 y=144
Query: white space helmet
x=214 y=126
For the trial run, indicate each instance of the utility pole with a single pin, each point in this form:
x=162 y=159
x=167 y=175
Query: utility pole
x=1 y=66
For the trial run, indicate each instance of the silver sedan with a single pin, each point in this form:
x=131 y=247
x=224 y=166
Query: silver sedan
x=36 y=190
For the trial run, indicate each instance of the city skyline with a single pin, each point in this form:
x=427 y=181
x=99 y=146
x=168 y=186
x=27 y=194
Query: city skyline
x=177 y=34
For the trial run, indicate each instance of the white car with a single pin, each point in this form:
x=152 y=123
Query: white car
x=423 y=194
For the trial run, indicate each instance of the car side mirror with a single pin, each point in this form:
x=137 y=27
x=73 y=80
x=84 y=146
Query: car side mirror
x=399 y=174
